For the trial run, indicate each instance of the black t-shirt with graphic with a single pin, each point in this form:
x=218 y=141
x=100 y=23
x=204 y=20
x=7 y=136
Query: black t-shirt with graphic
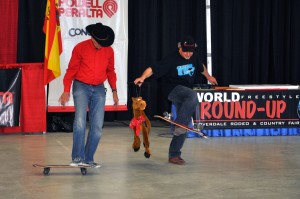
x=175 y=70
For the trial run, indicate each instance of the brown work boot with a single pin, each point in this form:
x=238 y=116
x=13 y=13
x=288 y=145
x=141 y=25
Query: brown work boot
x=177 y=160
x=182 y=160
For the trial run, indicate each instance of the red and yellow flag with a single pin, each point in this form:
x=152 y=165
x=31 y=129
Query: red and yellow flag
x=53 y=46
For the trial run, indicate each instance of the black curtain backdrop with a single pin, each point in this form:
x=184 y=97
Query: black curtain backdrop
x=155 y=28
x=253 y=41
x=256 y=41
x=31 y=39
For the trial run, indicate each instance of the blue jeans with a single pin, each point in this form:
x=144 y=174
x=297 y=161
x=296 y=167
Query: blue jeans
x=92 y=98
x=186 y=101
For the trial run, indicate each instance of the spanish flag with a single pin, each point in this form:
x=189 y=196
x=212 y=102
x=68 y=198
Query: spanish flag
x=53 y=46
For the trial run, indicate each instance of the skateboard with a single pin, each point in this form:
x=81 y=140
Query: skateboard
x=182 y=126
x=47 y=168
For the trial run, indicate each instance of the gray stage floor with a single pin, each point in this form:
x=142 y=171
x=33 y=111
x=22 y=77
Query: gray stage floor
x=222 y=167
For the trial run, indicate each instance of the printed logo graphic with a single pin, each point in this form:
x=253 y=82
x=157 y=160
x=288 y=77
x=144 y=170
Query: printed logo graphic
x=248 y=109
x=10 y=97
x=185 y=70
x=110 y=7
x=7 y=97
x=77 y=32
x=87 y=8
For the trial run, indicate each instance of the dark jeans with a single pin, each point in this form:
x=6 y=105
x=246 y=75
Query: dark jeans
x=185 y=100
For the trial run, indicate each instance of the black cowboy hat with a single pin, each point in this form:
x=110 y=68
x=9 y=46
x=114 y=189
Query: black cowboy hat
x=104 y=35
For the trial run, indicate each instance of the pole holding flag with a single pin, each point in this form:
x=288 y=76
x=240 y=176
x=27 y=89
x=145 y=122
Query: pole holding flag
x=53 y=44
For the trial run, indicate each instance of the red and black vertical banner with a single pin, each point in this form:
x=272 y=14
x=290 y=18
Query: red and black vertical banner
x=10 y=97
x=249 y=109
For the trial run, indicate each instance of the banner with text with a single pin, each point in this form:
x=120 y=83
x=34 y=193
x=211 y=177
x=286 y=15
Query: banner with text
x=74 y=17
x=248 y=109
x=10 y=97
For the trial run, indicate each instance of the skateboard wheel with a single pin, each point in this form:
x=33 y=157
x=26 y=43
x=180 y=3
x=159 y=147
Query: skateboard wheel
x=83 y=171
x=46 y=171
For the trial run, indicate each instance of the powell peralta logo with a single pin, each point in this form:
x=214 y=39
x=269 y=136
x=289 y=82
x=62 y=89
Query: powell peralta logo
x=87 y=8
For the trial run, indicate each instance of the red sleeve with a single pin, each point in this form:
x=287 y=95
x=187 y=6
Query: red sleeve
x=111 y=75
x=73 y=67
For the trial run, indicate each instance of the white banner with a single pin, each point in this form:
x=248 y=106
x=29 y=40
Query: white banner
x=75 y=15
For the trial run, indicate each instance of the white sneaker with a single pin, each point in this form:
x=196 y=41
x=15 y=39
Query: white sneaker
x=76 y=163
x=93 y=164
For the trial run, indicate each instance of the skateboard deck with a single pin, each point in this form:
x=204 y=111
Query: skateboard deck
x=182 y=126
x=47 y=168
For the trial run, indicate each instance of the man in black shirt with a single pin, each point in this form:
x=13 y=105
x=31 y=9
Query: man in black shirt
x=179 y=70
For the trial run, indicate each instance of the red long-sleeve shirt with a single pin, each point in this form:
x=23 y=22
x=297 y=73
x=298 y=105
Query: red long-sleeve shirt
x=90 y=65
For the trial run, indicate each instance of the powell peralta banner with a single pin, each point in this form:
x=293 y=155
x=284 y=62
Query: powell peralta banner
x=248 y=109
x=74 y=16
x=10 y=97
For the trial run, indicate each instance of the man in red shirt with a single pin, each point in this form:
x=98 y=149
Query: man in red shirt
x=92 y=62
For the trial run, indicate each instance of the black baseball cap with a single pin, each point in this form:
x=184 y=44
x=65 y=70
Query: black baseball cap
x=188 y=44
